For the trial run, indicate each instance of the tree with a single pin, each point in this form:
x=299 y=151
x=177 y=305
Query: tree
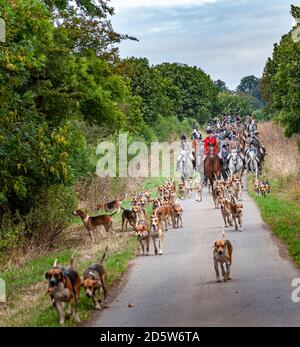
x=250 y=85
x=147 y=83
x=221 y=85
x=234 y=103
x=191 y=91
x=281 y=81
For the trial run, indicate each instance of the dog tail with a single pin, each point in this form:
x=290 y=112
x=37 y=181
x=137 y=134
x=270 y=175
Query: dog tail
x=224 y=235
x=114 y=213
x=104 y=255
x=72 y=258
x=55 y=262
x=232 y=200
x=72 y=262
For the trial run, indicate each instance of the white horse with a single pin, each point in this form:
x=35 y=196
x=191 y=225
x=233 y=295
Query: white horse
x=185 y=163
x=252 y=162
x=236 y=164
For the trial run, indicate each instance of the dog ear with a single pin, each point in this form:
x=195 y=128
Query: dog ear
x=47 y=275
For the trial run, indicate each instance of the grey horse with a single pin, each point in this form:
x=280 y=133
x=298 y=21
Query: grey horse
x=236 y=164
x=252 y=162
x=185 y=163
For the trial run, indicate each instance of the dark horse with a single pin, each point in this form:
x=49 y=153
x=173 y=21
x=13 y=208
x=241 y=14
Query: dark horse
x=212 y=166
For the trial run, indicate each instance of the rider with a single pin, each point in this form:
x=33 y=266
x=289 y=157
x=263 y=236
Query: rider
x=183 y=142
x=235 y=144
x=253 y=149
x=224 y=153
x=210 y=141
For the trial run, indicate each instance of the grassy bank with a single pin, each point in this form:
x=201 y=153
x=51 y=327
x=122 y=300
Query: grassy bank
x=27 y=303
x=281 y=211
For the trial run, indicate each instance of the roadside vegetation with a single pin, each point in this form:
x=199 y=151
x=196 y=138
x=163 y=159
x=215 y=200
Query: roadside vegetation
x=280 y=209
x=64 y=89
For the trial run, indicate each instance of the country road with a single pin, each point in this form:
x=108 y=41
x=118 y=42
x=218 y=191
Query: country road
x=179 y=287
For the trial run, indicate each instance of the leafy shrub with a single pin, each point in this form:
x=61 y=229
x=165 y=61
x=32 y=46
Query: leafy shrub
x=52 y=216
x=12 y=229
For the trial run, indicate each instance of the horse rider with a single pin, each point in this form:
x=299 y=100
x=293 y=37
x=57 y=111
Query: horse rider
x=183 y=143
x=184 y=148
x=253 y=149
x=224 y=154
x=210 y=141
x=196 y=135
x=236 y=145
x=255 y=139
x=248 y=141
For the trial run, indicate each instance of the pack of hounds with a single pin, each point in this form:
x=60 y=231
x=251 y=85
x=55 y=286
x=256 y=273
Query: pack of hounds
x=64 y=284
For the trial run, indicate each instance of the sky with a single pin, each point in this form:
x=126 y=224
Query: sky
x=228 y=39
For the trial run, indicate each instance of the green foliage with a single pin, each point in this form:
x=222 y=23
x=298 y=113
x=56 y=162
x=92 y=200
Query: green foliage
x=53 y=214
x=147 y=83
x=250 y=85
x=234 y=103
x=221 y=85
x=192 y=92
x=281 y=81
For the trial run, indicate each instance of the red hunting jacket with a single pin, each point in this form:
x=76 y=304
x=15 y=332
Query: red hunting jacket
x=211 y=142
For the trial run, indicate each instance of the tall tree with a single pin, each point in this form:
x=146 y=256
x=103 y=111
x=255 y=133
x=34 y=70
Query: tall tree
x=281 y=80
x=192 y=91
x=221 y=85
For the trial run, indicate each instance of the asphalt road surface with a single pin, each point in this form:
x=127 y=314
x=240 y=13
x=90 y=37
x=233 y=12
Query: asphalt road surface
x=179 y=288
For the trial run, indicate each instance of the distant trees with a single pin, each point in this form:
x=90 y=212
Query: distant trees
x=170 y=89
x=280 y=83
x=221 y=85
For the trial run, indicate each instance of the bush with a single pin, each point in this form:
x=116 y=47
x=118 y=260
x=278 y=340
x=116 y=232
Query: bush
x=12 y=229
x=52 y=216
x=167 y=128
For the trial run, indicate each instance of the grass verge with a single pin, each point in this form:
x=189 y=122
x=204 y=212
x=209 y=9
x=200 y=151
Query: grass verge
x=281 y=211
x=27 y=303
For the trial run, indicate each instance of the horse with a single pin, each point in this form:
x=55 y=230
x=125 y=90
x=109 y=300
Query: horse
x=185 y=164
x=261 y=152
x=252 y=162
x=212 y=166
x=236 y=164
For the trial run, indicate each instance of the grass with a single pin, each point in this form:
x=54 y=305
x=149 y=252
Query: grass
x=28 y=304
x=281 y=211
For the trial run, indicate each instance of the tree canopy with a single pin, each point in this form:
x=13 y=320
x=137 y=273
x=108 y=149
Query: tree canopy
x=281 y=80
